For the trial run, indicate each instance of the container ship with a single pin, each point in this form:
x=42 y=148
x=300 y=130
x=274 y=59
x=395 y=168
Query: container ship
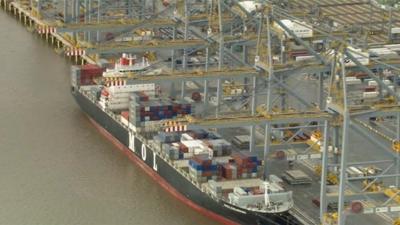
x=197 y=166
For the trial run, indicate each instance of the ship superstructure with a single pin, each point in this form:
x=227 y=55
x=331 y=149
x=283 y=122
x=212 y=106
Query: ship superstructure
x=126 y=65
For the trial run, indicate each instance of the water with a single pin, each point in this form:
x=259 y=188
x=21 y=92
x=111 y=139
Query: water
x=55 y=168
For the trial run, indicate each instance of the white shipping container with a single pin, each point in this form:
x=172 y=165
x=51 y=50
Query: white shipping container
x=186 y=137
x=384 y=91
x=275 y=179
x=239 y=191
x=199 y=151
x=395 y=30
x=89 y=87
x=387 y=82
x=117 y=106
x=131 y=88
x=192 y=145
x=354 y=172
x=187 y=155
x=300 y=29
x=372 y=83
x=118 y=100
x=352 y=81
x=150 y=93
x=249 y=6
x=370 y=94
x=119 y=95
x=375 y=84
x=395 y=47
x=306 y=57
x=362 y=57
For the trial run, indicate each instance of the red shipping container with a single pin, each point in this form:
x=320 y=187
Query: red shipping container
x=240 y=160
x=168 y=114
x=206 y=174
x=361 y=75
x=196 y=96
x=257 y=191
x=183 y=148
x=239 y=171
x=228 y=171
x=251 y=165
x=370 y=89
x=165 y=3
x=202 y=160
x=88 y=72
x=91 y=70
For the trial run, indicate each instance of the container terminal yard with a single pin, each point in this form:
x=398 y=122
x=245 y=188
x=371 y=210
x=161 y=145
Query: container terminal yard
x=250 y=112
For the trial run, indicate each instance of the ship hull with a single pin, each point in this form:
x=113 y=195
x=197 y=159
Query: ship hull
x=168 y=177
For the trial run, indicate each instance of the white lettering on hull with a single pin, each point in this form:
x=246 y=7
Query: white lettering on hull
x=155 y=168
x=144 y=152
x=131 y=141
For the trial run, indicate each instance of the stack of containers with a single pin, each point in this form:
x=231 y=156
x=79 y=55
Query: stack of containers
x=229 y=171
x=241 y=141
x=84 y=75
x=198 y=134
x=177 y=151
x=202 y=168
x=186 y=137
x=215 y=188
x=95 y=91
x=192 y=147
x=218 y=147
x=143 y=109
x=89 y=72
x=167 y=137
x=172 y=152
x=186 y=150
x=248 y=164
x=184 y=146
x=243 y=165
x=119 y=97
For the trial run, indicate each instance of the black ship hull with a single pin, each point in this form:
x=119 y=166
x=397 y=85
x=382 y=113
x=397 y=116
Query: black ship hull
x=168 y=177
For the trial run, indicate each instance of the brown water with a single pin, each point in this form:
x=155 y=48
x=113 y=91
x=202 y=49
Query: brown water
x=55 y=168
